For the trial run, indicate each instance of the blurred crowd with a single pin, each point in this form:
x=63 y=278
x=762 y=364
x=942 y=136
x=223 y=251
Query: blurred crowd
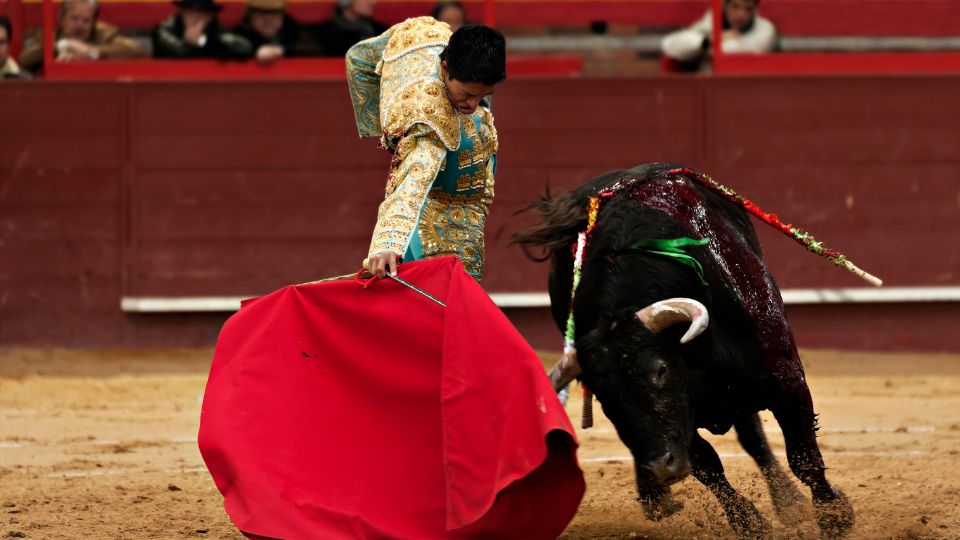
x=744 y=31
x=267 y=32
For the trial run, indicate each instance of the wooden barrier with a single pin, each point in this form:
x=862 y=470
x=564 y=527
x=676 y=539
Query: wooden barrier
x=310 y=69
x=173 y=189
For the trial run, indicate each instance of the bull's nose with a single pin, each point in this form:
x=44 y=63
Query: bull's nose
x=668 y=469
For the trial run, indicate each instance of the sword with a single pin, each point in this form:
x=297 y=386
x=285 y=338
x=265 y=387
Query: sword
x=413 y=287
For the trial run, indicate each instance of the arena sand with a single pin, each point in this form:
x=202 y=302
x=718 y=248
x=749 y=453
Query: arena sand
x=102 y=444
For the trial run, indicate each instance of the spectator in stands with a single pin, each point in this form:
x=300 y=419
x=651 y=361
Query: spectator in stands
x=744 y=31
x=194 y=32
x=80 y=36
x=8 y=66
x=352 y=22
x=272 y=33
x=450 y=12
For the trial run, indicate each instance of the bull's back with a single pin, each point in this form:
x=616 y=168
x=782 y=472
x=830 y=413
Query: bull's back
x=734 y=268
x=693 y=207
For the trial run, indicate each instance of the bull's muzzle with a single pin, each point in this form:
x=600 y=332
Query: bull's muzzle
x=667 y=469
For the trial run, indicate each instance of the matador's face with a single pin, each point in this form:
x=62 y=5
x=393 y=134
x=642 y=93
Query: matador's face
x=465 y=96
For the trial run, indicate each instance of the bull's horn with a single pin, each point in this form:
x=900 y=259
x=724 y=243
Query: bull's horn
x=664 y=313
x=565 y=371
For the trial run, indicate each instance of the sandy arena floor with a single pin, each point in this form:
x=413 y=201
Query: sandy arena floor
x=103 y=445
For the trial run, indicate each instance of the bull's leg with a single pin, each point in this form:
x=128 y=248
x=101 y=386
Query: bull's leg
x=787 y=499
x=793 y=410
x=706 y=467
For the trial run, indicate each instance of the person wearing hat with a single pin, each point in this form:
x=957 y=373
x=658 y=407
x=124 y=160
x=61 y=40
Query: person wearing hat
x=271 y=31
x=81 y=36
x=194 y=32
x=352 y=22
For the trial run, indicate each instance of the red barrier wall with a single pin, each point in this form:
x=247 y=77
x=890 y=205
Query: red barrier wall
x=206 y=189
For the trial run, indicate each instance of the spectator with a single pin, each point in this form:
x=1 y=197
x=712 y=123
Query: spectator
x=352 y=22
x=272 y=33
x=80 y=36
x=744 y=31
x=8 y=66
x=194 y=32
x=450 y=12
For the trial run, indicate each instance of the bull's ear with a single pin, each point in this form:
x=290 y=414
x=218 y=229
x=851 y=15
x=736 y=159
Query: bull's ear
x=660 y=315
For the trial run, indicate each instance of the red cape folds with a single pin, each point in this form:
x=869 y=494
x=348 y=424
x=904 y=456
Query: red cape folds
x=335 y=410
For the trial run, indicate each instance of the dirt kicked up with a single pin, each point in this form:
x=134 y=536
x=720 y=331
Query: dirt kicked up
x=103 y=445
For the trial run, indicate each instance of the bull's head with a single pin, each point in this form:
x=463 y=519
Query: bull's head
x=643 y=385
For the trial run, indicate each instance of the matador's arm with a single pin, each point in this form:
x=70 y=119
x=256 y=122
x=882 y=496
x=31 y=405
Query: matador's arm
x=418 y=159
x=363 y=79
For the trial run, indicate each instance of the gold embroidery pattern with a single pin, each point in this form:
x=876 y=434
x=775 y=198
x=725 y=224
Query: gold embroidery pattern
x=481 y=152
x=464 y=159
x=363 y=80
x=443 y=197
x=488 y=187
x=469 y=181
x=423 y=102
x=409 y=69
x=484 y=141
x=411 y=89
x=454 y=226
x=488 y=133
x=413 y=173
x=470 y=129
x=484 y=146
x=416 y=33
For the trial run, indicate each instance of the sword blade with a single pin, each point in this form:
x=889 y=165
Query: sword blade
x=416 y=289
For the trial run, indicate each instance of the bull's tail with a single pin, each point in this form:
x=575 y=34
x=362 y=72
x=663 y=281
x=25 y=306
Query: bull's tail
x=561 y=219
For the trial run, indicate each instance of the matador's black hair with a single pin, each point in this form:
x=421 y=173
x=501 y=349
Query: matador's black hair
x=476 y=53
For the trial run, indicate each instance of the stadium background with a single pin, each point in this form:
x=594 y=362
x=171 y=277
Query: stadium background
x=140 y=201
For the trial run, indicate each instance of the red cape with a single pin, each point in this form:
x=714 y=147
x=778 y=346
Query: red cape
x=335 y=410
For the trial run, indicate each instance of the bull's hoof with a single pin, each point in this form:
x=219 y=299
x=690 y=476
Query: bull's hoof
x=745 y=520
x=659 y=507
x=834 y=515
x=789 y=503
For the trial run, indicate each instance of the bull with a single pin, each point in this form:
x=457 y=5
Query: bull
x=667 y=347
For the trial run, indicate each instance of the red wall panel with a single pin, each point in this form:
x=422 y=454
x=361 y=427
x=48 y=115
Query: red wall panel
x=61 y=156
x=208 y=188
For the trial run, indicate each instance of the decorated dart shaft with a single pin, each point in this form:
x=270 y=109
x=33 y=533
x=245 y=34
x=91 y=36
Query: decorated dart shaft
x=799 y=235
x=586 y=418
x=570 y=333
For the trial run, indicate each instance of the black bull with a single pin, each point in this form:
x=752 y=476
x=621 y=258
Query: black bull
x=654 y=389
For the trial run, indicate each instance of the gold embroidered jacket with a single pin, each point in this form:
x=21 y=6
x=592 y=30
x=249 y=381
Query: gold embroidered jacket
x=440 y=185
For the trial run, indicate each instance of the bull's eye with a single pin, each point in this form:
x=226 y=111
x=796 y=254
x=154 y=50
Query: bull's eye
x=660 y=375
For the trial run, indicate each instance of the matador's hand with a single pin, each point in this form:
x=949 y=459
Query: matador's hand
x=380 y=263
